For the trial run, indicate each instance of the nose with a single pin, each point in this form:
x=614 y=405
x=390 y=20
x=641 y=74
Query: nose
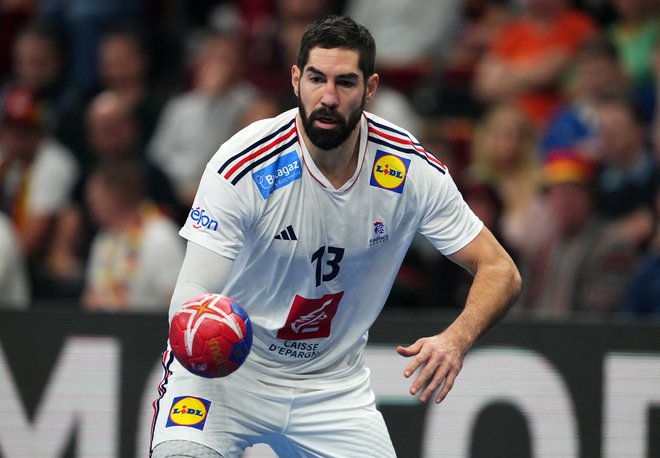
x=330 y=98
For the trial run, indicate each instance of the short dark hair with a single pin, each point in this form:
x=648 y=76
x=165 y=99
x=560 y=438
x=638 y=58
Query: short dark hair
x=339 y=32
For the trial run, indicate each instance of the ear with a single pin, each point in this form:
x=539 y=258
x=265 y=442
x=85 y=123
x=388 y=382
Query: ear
x=295 y=79
x=372 y=86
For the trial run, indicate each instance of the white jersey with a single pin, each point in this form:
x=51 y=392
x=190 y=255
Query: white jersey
x=314 y=264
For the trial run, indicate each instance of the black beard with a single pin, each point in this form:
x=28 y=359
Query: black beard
x=327 y=139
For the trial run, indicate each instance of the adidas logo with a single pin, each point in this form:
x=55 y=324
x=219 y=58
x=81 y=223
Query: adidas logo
x=287 y=234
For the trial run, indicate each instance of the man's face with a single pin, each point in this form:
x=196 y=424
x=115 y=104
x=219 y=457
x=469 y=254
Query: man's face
x=36 y=62
x=620 y=137
x=120 y=62
x=570 y=205
x=331 y=95
x=599 y=77
x=110 y=132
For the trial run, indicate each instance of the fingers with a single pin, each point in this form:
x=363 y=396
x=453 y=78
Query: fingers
x=438 y=370
x=417 y=360
x=447 y=385
x=432 y=376
x=410 y=350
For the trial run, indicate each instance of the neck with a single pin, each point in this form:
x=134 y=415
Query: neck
x=338 y=164
x=124 y=220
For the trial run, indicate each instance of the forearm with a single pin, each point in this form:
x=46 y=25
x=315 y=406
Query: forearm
x=203 y=271
x=495 y=288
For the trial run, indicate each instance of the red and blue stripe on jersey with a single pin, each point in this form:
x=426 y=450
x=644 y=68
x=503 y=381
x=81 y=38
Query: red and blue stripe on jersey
x=166 y=361
x=402 y=142
x=269 y=146
x=262 y=150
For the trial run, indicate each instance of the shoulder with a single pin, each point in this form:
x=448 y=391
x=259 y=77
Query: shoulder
x=388 y=138
x=53 y=156
x=243 y=91
x=184 y=103
x=161 y=231
x=256 y=144
x=53 y=150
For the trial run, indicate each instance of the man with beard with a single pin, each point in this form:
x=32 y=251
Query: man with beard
x=315 y=210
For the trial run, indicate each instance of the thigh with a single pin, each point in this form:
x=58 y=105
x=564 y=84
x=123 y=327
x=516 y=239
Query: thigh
x=226 y=414
x=183 y=449
x=340 y=422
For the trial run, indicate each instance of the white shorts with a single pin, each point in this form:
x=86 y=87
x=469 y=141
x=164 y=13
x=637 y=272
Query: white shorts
x=232 y=413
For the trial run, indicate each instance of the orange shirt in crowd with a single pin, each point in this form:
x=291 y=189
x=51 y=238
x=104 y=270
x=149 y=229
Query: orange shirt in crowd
x=523 y=43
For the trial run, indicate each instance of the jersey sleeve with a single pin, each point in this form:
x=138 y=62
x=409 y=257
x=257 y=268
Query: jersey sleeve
x=447 y=221
x=219 y=217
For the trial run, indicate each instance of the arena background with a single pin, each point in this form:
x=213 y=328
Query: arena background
x=81 y=385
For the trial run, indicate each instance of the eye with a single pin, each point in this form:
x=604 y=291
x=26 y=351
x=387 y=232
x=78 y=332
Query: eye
x=346 y=83
x=315 y=79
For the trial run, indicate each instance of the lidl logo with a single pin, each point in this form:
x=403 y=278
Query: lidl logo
x=389 y=171
x=189 y=411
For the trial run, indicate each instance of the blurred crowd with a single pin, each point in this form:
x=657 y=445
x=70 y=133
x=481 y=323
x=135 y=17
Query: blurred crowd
x=545 y=111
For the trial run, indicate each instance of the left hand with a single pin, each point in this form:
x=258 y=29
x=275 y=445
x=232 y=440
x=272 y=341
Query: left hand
x=441 y=359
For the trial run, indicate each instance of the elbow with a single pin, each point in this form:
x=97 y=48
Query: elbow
x=515 y=281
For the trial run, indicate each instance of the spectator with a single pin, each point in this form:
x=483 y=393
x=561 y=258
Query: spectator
x=112 y=136
x=643 y=296
x=598 y=76
x=13 y=17
x=136 y=256
x=504 y=155
x=124 y=65
x=635 y=33
x=629 y=173
x=481 y=22
x=585 y=266
x=37 y=174
x=193 y=125
x=273 y=45
x=526 y=61
x=411 y=36
x=38 y=63
x=84 y=23
x=14 y=283
x=655 y=122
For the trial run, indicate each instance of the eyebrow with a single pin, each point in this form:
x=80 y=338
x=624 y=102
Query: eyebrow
x=351 y=75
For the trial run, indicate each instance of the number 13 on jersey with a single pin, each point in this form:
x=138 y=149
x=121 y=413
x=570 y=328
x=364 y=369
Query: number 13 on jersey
x=332 y=259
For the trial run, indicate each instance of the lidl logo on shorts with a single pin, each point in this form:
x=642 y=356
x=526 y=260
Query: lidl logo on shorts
x=278 y=174
x=389 y=171
x=189 y=411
